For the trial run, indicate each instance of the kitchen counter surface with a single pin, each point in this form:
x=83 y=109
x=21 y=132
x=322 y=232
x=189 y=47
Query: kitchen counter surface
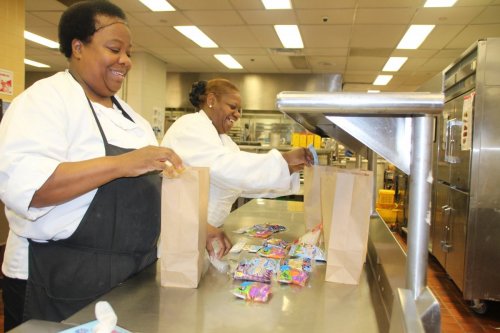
x=142 y=305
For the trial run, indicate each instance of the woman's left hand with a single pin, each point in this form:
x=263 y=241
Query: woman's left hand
x=217 y=235
x=298 y=158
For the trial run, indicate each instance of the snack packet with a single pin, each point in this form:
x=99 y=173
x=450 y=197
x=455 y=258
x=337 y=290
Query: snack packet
x=253 y=291
x=303 y=264
x=272 y=252
x=291 y=275
x=256 y=269
x=306 y=251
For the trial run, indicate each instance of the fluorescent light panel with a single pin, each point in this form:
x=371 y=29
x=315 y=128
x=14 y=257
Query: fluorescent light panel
x=196 y=35
x=394 y=64
x=35 y=63
x=382 y=80
x=415 y=36
x=373 y=91
x=40 y=40
x=277 y=4
x=289 y=36
x=228 y=61
x=439 y=3
x=158 y=5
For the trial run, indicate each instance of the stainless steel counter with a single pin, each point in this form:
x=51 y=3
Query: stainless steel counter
x=142 y=305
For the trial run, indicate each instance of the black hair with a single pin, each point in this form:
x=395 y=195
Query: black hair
x=78 y=22
x=201 y=89
x=197 y=94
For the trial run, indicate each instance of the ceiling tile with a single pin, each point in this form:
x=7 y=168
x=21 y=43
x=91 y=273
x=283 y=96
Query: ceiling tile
x=214 y=17
x=384 y=16
x=333 y=16
x=368 y=36
x=268 y=17
x=453 y=15
x=325 y=35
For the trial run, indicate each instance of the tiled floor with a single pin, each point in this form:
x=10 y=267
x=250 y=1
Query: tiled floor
x=456 y=317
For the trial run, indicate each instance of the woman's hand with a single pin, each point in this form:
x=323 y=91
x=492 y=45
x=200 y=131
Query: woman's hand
x=147 y=159
x=71 y=179
x=298 y=158
x=217 y=235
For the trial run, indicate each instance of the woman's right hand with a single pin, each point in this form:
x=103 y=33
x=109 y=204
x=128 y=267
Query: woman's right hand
x=147 y=159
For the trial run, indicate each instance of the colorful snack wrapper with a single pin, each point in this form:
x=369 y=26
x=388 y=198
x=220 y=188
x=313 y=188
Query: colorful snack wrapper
x=306 y=251
x=272 y=252
x=303 y=264
x=264 y=230
x=291 y=275
x=276 y=242
x=253 y=291
x=256 y=269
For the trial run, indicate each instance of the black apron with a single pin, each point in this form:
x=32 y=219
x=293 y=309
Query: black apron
x=116 y=239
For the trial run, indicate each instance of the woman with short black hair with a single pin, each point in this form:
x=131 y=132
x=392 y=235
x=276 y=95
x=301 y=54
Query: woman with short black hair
x=78 y=176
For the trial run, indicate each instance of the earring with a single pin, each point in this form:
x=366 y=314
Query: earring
x=210 y=106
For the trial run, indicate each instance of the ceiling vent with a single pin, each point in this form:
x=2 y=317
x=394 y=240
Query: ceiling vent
x=299 y=62
x=285 y=52
x=362 y=52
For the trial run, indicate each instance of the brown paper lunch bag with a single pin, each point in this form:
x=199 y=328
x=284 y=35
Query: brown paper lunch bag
x=184 y=204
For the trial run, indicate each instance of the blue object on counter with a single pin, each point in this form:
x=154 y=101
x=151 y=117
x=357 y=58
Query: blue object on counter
x=314 y=153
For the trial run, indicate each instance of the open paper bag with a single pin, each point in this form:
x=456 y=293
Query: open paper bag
x=183 y=227
x=312 y=196
x=344 y=199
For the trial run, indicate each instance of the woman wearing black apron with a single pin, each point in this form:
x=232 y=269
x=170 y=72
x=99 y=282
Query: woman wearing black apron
x=118 y=232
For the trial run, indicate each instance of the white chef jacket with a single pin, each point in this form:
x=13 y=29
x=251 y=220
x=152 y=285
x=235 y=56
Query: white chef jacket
x=233 y=173
x=49 y=123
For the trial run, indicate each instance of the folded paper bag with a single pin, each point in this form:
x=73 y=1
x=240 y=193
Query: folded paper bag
x=183 y=227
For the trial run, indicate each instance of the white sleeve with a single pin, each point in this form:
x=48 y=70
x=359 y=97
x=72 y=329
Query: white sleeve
x=32 y=145
x=198 y=144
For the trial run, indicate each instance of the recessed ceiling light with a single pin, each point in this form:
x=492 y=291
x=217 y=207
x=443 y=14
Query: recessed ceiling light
x=289 y=36
x=277 y=4
x=415 y=36
x=394 y=64
x=373 y=91
x=158 y=5
x=35 y=63
x=439 y=3
x=40 y=40
x=228 y=61
x=382 y=80
x=196 y=35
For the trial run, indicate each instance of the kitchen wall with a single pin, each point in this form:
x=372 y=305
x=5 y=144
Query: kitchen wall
x=258 y=91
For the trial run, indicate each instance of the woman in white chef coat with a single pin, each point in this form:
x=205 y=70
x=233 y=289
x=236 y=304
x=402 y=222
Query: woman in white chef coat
x=78 y=175
x=201 y=139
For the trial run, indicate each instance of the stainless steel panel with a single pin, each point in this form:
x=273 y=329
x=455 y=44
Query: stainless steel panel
x=483 y=255
x=455 y=258
x=459 y=169
x=381 y=126
x=389 y=137
x=441 y=222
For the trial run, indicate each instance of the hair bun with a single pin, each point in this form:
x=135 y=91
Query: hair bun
x=197 y=90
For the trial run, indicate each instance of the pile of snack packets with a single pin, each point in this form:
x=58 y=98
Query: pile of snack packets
x=277 y=260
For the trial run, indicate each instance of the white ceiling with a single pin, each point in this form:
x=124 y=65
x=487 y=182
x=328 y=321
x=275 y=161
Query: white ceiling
x=356 y=41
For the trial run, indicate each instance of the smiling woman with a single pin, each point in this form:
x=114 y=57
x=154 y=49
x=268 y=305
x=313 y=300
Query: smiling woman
x=70 y=150
x=202 y=139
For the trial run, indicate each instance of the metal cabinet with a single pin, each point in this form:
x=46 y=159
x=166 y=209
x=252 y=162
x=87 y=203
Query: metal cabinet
x=466 y=200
